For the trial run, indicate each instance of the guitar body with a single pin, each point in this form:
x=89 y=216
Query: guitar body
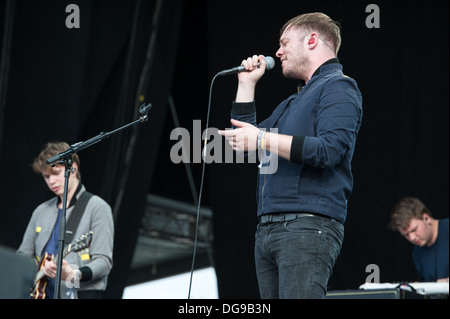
x=41 y=280
x=38 y=291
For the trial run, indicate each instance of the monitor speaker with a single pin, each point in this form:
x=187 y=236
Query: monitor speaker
x=16 y=275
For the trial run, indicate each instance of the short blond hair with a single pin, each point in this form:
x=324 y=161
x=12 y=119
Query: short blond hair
x=328 y=29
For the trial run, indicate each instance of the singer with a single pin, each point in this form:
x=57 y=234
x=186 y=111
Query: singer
x=302 y=207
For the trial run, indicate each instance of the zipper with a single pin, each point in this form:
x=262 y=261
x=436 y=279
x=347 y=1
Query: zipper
x=262 y=194
x=264 y=184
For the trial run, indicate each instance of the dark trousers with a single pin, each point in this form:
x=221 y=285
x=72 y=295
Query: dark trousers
x=295 y=259
x=90 y=294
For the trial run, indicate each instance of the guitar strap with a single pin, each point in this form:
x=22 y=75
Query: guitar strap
x=75 y=216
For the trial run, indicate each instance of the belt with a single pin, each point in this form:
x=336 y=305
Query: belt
x=282 y=217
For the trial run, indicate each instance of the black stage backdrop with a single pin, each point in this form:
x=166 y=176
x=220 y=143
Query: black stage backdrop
x=71 y=84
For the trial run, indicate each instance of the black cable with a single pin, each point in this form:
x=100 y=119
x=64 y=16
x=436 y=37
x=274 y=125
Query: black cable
x=201 y=185
x=5 y=60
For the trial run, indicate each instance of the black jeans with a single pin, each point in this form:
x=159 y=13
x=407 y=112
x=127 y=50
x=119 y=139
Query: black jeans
x=90 y=294
x=295 y=259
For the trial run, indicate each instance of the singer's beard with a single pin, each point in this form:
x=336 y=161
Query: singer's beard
x=299 y=69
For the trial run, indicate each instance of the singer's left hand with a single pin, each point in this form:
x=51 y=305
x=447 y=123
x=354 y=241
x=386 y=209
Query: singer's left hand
x=243 y=137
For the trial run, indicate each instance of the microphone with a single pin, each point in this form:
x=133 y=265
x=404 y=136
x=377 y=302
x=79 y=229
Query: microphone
x=270 y=63
x=144 y=109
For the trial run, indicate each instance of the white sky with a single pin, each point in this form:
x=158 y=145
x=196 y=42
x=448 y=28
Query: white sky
x=204 y=286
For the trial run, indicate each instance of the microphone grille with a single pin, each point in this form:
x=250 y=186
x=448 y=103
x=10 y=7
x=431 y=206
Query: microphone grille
x=270 y=63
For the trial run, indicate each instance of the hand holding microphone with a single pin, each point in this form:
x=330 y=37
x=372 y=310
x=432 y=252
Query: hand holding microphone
x=250 y=64
x=251 y=70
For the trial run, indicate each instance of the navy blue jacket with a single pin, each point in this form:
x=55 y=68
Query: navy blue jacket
x=324 y=118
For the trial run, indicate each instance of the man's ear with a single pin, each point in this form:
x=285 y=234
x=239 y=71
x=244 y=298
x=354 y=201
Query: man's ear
x=313 y=40
x=426 y=218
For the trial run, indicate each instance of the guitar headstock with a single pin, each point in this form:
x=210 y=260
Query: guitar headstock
x=83 y=242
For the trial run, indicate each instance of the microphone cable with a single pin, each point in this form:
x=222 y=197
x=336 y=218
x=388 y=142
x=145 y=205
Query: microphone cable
x=270 y=63
x=201 y=184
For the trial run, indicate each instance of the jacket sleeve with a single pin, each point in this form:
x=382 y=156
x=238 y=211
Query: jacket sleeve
x=337 y=123
x=244 y=112
x=27 y=247
x=101 y=249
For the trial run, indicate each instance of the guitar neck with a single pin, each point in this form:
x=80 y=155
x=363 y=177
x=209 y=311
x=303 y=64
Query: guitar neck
x=67 y=250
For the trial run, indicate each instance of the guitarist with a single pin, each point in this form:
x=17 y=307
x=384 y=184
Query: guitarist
x=84 y=273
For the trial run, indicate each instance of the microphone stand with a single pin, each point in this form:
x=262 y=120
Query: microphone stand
x=66 y=159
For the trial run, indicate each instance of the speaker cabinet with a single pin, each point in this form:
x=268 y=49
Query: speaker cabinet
x=16 y=275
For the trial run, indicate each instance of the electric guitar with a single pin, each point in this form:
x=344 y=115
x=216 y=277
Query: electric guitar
x=40 y=282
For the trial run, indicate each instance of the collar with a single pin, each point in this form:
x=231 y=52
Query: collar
x=317 y=72
x=75 y=196
x=330 y=61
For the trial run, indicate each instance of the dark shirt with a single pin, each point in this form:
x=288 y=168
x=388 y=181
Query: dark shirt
x=432 y=262
x=52 y=248
x=324 y=118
